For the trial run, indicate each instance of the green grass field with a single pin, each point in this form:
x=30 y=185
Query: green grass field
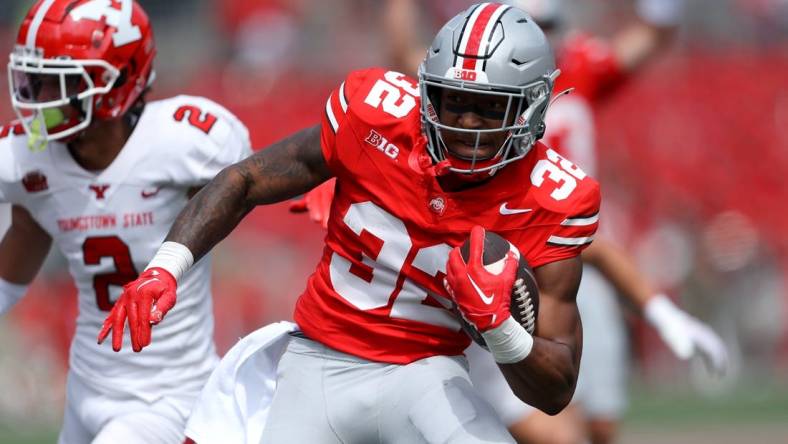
x=752 y=416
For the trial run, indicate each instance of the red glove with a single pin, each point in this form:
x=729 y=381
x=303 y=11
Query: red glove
x=317 y=202
x=483 y=298
x=144 y=301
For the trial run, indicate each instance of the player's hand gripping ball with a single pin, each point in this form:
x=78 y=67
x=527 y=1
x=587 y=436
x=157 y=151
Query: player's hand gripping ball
x=489 y=280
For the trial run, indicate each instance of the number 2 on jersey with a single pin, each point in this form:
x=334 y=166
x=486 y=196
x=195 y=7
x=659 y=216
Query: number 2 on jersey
x=197 y=119
x=96 y=248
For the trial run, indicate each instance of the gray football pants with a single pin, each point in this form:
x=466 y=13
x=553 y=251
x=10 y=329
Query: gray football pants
x=325 y=396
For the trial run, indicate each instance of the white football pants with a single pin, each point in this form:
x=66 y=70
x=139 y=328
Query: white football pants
x=325 y=396
x=93 y=417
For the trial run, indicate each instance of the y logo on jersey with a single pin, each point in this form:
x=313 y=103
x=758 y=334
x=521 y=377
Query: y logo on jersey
x=125 y=31
x=99 y=190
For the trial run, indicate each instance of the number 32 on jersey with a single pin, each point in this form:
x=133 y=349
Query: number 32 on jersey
x=386 y=267
x=395 y=95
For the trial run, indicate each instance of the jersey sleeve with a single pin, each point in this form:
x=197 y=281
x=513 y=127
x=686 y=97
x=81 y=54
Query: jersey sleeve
x=336 y=113
x=215 y=140
x=8 y=168
x=588 y=65
x=576 y=231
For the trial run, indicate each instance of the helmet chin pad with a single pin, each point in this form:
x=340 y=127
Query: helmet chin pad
x=477 y=170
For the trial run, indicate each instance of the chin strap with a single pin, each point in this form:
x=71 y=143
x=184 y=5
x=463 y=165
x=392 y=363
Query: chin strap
x=561 y=94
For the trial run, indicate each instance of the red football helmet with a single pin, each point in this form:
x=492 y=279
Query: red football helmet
x=76 y=59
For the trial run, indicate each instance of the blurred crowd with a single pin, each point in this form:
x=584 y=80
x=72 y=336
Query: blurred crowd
x=695 y=149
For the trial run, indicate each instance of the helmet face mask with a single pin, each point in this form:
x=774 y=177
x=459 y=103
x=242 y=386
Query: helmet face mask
x=513 y=124
x=41 y=88
x=489 y=54
x=78 y=61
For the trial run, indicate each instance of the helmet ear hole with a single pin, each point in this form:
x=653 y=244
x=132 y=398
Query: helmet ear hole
x=122 y=78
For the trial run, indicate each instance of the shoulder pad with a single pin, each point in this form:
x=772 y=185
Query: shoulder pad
x=376 y=96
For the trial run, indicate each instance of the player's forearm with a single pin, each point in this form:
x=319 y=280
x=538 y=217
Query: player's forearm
x=406 y=50
x=546 y=379
x=547 y=376
x=284 y=170
x=654 y=31
x=619 y=268
x=212 y=213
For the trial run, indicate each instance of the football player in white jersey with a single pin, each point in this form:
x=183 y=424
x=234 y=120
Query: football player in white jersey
x=94 y=169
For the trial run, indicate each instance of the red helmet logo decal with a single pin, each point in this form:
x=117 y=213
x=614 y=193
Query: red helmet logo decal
x=125 y=31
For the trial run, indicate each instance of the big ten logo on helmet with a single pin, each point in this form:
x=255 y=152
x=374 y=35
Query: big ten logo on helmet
x=382 y=144
x=120 y=19
x=467 y=75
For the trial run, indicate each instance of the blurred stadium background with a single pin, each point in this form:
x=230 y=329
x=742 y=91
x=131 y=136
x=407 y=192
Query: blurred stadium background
x=695 y=161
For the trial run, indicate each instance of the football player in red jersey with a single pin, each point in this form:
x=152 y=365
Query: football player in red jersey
x=420 y=166
x=99 y=172
x=592 y=67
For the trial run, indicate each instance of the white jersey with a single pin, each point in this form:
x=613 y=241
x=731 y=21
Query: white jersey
x=569 y=127
x=109 y=224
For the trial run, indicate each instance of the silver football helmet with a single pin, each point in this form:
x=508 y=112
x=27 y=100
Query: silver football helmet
x=489 y=49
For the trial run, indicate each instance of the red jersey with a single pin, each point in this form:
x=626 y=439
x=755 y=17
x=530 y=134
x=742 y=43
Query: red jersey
x=587 y=64
x=377 y=292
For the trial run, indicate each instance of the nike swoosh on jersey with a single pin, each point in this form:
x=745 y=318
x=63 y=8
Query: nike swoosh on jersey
x=507 y=211
x=486 y=299
x=148 y=193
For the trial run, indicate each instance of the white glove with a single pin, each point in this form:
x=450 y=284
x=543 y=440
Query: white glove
x=685 y=335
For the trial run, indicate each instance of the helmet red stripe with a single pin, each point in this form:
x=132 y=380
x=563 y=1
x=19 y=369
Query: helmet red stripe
x=476 y=34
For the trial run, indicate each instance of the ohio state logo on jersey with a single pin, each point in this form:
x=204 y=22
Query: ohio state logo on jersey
x=438 y=205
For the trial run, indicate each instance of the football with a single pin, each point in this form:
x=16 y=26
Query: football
x=525 y=292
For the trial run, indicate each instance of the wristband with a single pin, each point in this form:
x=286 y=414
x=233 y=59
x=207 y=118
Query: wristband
x=659 y=309
x=173 y=257
x=10 y=294
x=509 y=342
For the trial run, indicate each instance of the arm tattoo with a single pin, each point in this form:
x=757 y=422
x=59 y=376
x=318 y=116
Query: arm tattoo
x=284 y=170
